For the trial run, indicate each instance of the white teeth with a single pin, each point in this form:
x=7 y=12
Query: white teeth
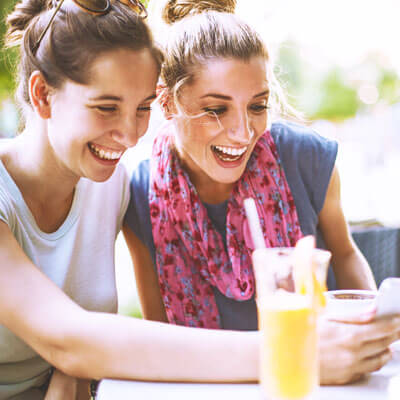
x=106 y=155
x=231 y=151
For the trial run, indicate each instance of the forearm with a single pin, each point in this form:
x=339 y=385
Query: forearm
x=353 y=272
x=127 y=348
x=97 y=345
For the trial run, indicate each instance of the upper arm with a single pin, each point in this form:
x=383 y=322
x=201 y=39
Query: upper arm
x=332 y=222
x=146 y=278
x=32 y=306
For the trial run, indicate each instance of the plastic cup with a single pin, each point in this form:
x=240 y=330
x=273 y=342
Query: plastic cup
x=288 y=321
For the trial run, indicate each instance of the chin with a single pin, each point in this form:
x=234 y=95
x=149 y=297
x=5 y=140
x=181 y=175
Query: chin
x=231 y=177
x=99 y=177
x=227 y=180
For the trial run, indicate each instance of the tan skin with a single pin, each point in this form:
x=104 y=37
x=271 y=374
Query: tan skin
x=360 y=345
x=79 y=343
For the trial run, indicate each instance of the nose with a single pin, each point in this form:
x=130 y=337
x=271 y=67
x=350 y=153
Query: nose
x=127 y=134
x=241 y=130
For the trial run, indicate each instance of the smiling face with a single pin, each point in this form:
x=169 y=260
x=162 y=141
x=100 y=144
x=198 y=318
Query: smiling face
x=226 y=113
x=92 y=125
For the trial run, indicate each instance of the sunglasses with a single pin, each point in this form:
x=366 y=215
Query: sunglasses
x=95 y=7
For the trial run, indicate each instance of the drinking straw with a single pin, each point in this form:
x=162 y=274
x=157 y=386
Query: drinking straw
x=302 y=259
x=254 y=223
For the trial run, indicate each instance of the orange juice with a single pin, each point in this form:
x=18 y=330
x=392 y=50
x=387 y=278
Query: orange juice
x=289 y=355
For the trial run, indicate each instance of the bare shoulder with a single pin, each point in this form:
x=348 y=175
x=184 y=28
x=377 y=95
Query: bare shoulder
x=6 y=148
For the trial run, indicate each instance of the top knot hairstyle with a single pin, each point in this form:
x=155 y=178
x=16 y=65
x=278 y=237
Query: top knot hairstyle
x=200 y=31
x=176 y=10
x=205 y=36
x=74 y=40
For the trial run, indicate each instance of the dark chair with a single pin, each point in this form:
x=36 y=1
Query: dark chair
x=381 y=248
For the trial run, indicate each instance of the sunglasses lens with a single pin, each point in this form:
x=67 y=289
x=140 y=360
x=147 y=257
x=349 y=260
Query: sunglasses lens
x=94 y=6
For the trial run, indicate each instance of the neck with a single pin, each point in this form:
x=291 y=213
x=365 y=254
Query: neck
x=36 y=170
x=214 y=194
x=209 y=190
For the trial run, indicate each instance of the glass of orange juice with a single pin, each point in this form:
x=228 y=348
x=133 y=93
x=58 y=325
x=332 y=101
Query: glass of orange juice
x=289 y=367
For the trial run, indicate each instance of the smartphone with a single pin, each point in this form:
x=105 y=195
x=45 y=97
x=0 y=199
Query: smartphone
x=388 y=298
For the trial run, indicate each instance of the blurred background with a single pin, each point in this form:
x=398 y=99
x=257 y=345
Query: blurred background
x=340 y=65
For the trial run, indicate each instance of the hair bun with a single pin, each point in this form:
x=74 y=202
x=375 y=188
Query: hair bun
x=176 y=10
x=21 y=17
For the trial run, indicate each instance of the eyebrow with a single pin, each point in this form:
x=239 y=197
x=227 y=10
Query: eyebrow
x=117 y=98
x=106 y=97
x=264 y=93
x=151 y=97
x=223 y=97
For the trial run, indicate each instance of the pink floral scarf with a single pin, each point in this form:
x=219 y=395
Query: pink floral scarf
x=190 y=253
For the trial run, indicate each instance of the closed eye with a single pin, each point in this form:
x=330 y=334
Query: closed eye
x=259 y=108
x=215 y=110
x=144 y=108
x=105 y=109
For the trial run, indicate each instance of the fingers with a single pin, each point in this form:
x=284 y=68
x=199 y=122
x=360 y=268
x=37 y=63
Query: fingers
x=359 y=349
x=375 y=362
x=374 y=347
x=359 y=369
x=354 y=378
x=376 y=330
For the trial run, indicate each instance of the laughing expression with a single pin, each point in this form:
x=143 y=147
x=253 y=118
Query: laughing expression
x=225 y=113
x=92 y=125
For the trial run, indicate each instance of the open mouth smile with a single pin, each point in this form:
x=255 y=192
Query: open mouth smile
x=229 y=154
x=105 y=155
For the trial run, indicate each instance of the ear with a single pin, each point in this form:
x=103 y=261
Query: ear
x=39 y=93
x=166 y=101
x=169 y=108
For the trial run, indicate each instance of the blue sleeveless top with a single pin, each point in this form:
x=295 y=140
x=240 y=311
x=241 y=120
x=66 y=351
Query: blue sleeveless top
x=307 y=159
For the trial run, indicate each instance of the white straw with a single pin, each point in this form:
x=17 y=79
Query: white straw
x=254 y=223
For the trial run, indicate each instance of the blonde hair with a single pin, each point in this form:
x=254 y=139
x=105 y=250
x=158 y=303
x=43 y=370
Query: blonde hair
x=201 y=31
x=176 y=10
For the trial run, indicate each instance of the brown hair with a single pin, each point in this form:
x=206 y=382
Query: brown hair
x=176 y=10
x=200 y=35
x=73 y=41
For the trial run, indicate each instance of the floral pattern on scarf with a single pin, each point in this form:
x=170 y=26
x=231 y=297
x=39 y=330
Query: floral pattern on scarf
x=190 y=253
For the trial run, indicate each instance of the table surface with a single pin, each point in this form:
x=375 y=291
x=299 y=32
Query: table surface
x=374 y=387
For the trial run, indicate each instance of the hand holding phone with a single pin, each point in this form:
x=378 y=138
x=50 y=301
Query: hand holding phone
x=388 y=298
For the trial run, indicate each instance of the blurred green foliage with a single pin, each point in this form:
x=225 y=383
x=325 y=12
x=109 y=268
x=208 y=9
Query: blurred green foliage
x=132 y=310
x=331 y=94
x=389 y=86
x=337 y=99
x=7 y=57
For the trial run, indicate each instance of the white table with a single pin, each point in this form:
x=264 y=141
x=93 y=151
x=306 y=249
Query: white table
x=374 y=387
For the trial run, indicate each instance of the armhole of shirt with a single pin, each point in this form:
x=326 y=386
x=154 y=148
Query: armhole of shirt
x=312 y=156
x=328 y=159
x=125 y=198
x=137 y=216
x=5 y=207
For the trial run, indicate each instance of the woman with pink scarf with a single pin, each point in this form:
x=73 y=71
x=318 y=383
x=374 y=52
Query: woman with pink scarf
x=186 y=226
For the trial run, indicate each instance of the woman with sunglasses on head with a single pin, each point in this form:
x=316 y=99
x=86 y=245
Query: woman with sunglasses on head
x=87 y=76
x=188 y=234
